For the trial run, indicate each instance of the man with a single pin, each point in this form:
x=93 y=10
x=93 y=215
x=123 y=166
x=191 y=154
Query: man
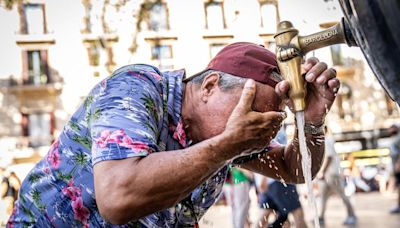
x=148 y=149
x=331 y=181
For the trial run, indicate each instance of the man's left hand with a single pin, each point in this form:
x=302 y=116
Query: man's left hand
x=322 y=86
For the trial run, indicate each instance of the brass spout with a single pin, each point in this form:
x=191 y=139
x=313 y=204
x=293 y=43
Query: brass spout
x=289 y=63
x=290 y=49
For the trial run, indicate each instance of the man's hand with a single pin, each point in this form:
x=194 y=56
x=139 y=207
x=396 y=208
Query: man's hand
x=249 y=130
x=321 y=175
x=322 y=87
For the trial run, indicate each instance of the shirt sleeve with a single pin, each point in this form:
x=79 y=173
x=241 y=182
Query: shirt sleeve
x=126 y=116
x=329 y=146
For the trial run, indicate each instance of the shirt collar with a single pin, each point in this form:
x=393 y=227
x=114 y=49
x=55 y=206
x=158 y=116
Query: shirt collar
x=174 y=104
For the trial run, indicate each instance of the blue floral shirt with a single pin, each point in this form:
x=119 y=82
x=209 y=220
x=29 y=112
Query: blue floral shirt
x=134 y=112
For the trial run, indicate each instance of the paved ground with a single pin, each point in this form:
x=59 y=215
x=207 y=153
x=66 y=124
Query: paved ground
x=371 y=209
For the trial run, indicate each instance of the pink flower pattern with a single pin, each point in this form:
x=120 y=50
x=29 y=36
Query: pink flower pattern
x=81 y=213
x=179 y=134
x=156 y=76
x=46 y=170
x=53 y=156
x=135 y=74
x=104 y=84
x=121 y=138
x=71 y=191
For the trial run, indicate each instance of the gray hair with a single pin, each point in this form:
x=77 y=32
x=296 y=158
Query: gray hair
x=226 y=81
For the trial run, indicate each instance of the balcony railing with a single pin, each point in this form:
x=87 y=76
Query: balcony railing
x=35 y=39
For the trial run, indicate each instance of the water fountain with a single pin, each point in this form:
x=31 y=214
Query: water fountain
x=291 y=49
x=371 y=25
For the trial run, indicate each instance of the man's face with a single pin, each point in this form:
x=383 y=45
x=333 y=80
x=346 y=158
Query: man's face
x=221 y=103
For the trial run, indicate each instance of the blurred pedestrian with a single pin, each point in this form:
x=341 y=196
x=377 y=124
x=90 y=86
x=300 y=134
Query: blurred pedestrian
x=355 y=180
x=394 y=130
x=10 y=186
x=3 y=191
x=278 y=197
x=331 y=181
x=281 y=199
x=237 y=195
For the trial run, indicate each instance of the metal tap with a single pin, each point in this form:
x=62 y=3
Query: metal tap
x=291 y=48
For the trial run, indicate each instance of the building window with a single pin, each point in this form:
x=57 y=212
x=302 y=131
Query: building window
x=343 y=101
x=270 y=45
x=161 y=52
x=215 y=48
x=36 y=67
x=38 y=127
x=215 y=19
x=163 y=55
x=34 y=19
x=158 y=19
x=93 y=54
x=87 y=19
x=269 y=16
x=336 y=53
x=153 y=15
x=110 y=64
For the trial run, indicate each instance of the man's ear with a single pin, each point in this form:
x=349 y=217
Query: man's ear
x=209 y=85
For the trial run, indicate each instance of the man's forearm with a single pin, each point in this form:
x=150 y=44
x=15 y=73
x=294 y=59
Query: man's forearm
x=284 y=163
x=316 y=146
x=157 y=181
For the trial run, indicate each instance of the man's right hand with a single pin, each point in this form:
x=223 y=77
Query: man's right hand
x=248 y=130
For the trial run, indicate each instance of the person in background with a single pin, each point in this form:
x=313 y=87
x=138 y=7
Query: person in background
x=10 y=186
x=278 y=197
x=331 y=181
x=237 y=195
x=394 y=130
x=3 y=191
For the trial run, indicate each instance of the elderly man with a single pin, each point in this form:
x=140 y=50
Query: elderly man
x=151 y=149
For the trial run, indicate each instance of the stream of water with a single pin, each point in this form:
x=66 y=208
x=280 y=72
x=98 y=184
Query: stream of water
x=306 y=166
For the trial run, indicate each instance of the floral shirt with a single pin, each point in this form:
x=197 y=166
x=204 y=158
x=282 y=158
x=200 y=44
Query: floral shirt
x=134 y=112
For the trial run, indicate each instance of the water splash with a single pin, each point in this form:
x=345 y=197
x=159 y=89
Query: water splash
x=306 y=165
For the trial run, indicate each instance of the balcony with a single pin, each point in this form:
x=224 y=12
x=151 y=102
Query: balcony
x=91 y=38
x=43 y=40
x=225 y=33
x=36 y=98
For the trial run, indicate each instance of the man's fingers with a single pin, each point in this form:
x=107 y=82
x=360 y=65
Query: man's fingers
x=334 y=84
x=316 y=71
x=310 y=63
x=326 y=76
x=282 y=89
x=274 y=117
x=247 y=97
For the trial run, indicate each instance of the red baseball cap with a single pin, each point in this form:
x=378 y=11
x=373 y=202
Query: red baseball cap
x=246 y=60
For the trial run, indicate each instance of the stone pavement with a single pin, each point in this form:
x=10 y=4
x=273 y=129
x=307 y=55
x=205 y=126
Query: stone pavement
x=372 y=210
